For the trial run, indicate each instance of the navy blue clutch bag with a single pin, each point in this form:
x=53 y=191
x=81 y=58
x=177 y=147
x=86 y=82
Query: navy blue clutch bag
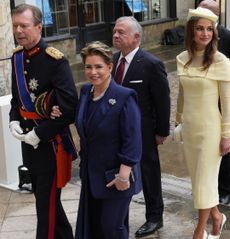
x=111 y=174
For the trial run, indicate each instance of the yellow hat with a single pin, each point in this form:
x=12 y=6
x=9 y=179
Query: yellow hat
x=202 y=13
x=211 y=5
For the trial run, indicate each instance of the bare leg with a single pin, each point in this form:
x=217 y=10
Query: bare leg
x=203 y=215
x=216 y=216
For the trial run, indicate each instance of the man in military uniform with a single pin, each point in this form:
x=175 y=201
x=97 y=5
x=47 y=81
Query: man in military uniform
x=41 y=77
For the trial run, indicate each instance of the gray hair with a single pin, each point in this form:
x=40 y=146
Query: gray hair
x=135 y=25
x=37 y=14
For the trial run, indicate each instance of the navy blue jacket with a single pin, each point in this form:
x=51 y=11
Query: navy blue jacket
x=109 y=137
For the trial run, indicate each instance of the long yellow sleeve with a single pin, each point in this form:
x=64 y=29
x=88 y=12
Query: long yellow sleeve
x=180 y=103
x=224 y=91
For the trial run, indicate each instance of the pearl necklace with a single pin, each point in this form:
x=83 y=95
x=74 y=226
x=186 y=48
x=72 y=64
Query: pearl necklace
x=101 y=95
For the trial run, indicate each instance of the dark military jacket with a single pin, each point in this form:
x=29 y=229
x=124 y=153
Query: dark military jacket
x=49 y=79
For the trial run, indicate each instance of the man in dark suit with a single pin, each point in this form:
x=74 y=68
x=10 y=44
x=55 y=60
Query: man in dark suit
x=223 y=47
x=146 y=74
x=41 y=76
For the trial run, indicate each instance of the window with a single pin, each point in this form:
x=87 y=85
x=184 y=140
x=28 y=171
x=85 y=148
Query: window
x=156 y=9
x=59 y=16
x=73 y=20
x=142 y=10
x=136 y=6
x=93 y=11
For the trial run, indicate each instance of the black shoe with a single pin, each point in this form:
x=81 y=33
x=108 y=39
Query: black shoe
x=148 y=228
x=225 y=199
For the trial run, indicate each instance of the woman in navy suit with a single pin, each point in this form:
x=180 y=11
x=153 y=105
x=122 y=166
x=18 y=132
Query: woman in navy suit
x=108 y=123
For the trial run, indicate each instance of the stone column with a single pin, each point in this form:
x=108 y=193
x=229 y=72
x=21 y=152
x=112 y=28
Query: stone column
x=228 y=14
x=6 y=47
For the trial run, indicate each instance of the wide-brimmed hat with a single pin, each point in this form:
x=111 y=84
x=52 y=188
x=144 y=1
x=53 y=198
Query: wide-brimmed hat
x=201 y=12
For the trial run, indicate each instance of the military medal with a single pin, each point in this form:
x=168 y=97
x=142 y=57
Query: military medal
x=32 y=97
x=33 y=84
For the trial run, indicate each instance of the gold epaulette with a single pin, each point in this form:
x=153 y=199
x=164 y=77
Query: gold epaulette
x=55 y=53
x=18 y=48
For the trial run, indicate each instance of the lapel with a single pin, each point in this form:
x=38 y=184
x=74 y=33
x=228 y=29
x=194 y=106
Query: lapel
x=85 y=94
x=138 y=57
x=135 y=64
x=115 y=61
x=98 y=116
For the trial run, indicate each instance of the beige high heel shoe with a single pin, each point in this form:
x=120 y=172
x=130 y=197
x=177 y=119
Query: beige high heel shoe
x=224 y=219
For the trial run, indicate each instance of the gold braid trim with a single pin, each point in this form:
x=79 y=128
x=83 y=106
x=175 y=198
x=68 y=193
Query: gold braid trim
x=18 y=48
x=40 y=107
x=54 y=53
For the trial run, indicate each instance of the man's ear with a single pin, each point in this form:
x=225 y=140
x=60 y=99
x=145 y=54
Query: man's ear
x=137 y=36
x=39 y=26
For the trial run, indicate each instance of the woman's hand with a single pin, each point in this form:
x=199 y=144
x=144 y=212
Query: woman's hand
x=55 y=113
x=121 y=184
x=224 y=146
x=121 y=181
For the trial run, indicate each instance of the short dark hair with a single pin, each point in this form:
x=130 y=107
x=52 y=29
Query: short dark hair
x=97 y=48
x=37 y=14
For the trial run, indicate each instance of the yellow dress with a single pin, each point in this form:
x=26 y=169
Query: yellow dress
x=203 y=125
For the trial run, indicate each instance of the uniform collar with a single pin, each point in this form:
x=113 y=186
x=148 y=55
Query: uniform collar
x=35 y=50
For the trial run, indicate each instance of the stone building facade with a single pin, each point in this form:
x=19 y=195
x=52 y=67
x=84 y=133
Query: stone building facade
x=6 y=47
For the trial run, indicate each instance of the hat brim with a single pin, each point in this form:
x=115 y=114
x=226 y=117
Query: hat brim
x=202 y=13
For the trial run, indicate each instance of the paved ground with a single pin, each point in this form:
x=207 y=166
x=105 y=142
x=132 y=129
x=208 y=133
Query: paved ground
x=18 y=218
x=17 y=210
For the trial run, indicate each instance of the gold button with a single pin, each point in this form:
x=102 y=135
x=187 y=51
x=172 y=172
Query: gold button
x=23 y=107
x=25 y=72
x=27 y=61
x=27 y=130
x=25 y=118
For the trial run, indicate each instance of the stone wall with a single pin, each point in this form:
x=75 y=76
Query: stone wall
x=67 y=47
x=6 y=47
x=182 y=10
x=228 y=14
x=153 y=34
x=152 y=37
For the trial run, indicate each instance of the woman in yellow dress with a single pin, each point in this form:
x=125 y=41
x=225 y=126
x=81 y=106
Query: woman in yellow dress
x=204 y=79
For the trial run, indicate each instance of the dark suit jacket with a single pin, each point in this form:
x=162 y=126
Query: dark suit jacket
x=110 y=136
x=147 y=76
x=224 y=40
x=224 y=175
